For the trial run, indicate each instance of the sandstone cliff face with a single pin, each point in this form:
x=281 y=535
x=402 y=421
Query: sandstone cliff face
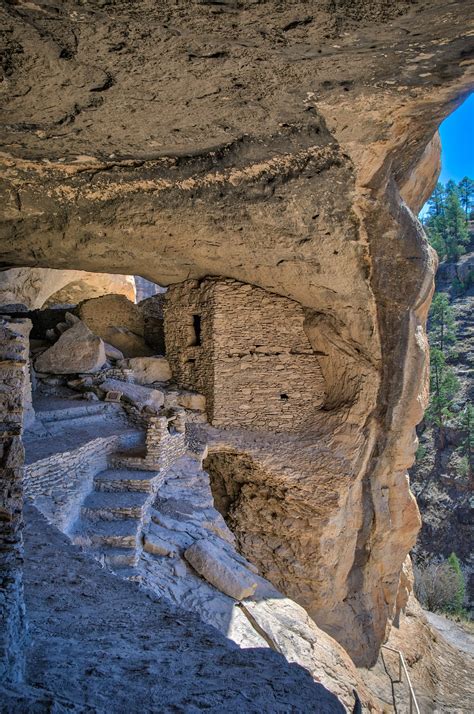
x=265 y=142
x=39 y=287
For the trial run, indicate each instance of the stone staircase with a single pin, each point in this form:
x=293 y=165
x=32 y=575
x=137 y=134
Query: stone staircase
x=113 y=515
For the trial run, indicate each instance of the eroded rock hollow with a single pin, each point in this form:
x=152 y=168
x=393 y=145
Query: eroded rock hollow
x=286 y=146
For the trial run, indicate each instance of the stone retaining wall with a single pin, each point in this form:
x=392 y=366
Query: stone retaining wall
x=164 y=447
x=59 y=483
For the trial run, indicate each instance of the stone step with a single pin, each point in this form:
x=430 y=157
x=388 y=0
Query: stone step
x=115 y=534
x=75 y=410
x=119 y=558
x=116 y=480
x=114 y=506
x=134 y=459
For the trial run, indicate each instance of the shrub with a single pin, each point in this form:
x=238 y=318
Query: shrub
x=440 y=585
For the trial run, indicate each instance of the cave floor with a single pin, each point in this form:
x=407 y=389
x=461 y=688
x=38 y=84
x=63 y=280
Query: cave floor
x=98 y=643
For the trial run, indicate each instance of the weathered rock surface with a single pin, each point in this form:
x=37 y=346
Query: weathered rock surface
x=77 y=350
x=39 y=287
x=130 y=344
x=281 y=140
x=136 y=394
x=152 y=310
x=222 y=571
x=112 y=352
x=164 y=658
x=441 y=674
x=147 y=370
x=100 y=314
x=184 y=514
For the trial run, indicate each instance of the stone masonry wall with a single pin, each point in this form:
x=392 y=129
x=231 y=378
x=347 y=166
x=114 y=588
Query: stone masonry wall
x=59 y=483
x=152 y=311
x=251 y=358
x=13 y=374
x=164 y=447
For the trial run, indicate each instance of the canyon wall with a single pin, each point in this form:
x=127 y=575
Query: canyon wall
x=278 y=145
x=39 y=287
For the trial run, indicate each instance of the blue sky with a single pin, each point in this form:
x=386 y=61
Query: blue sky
x=457 y=143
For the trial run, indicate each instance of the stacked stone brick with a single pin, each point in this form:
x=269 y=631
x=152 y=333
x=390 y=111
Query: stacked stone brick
x=13 y=375
x=151 y=310
x=165 y=444
x=165 y=441
x=247 y=351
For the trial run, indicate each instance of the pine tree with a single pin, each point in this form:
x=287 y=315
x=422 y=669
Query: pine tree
x=466 y=195
x=456 y=233
x=436 y=201
x=460 y=591
x=442 y=325
x=444 y=385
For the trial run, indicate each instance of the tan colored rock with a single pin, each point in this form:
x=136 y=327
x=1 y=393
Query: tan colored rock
x=147 y=370
x=112 y=352
x=77 y=350
x=102 y=313
x=420 y=184
x=40 y=287
x=221 y=570
x=299 y=196
x=135 y=393
x=157 y=546
x=192 y=400
x=129 y=344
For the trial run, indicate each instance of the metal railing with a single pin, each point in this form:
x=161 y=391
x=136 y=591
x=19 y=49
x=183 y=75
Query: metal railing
x=402 y=668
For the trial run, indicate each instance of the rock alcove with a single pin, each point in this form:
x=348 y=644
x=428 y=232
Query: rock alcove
x=278 y=150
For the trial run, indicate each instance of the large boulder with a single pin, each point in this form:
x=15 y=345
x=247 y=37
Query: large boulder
x=129 y=344
x=118 y=321
x=147 y=370
x=77 y=350
x=135 y=394
x=102 y=313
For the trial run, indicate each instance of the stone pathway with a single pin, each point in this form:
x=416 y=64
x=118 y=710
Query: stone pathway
x=113 y=515
x=100 y=644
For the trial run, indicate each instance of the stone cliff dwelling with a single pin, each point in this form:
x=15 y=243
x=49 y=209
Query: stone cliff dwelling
x=246 y=350
x=213 y=296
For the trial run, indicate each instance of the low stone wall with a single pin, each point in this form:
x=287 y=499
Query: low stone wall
x=13 y=376
x=163 y=447
x=58 y=484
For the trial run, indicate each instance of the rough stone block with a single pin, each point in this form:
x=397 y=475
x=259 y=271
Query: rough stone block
x=222 y=571
x=136 y=394
x=192 y=400
x=147 y=370
x=129 y=344
x=77 y=350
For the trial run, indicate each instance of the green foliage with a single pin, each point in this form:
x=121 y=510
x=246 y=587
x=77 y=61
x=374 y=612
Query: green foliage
x=460 y=592
x=444 y=385
x=421 y=452
x=440 y=585
x=466 y=195
x=448 y=212
x=442 y=325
